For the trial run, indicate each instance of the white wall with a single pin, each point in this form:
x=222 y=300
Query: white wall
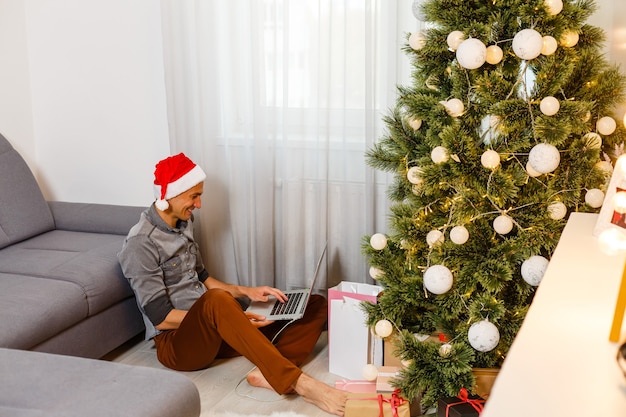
x=82 y=93
x=87 y=78
x=16 y=120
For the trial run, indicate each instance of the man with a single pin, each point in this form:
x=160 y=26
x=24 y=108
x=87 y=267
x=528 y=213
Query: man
x=194 y=318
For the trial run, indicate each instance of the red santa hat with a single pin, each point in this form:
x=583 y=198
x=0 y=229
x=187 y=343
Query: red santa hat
x=173 y=176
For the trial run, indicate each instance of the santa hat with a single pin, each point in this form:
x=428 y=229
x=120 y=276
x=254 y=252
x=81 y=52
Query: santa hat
x=173 y=176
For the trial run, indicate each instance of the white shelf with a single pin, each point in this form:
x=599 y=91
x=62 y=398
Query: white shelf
x=561 y=362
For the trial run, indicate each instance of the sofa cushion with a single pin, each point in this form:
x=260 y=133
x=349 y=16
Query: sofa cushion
x=47 y=385
x=35 y=309
x=23 y=209
x=94 y=218
x=88 y=260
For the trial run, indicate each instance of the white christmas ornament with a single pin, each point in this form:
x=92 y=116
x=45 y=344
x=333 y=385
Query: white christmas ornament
x=417 y=40
x=415 y=123
x=554 y=6
x=557 y=210
x=606 y=125
x=445 y=350
x=549 y=45
x=594 y=198
x=378 y=241
x=370 y=372
x=490 y=159
x=459 y=235
x=414 y=175
x=503 y=224
x=375 y=272
x=593 y=140
x=533 y=269
x=531 y=171
x=454 y=39
x=569 y=38
x=439 y=155
x=471 y=53
x=494 y=54
x=383 y=328
x=433 y=237
x=605 y=167
x=454 y=107
x=549 y=106
x=544 y=158
x=438 y=279
x=527 y=44
x=417 y=11
x=483 y=336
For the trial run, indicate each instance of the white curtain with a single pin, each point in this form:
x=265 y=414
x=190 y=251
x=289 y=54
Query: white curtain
x=278 y=101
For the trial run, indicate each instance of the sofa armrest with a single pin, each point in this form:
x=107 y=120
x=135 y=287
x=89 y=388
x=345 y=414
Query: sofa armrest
x=94 y=218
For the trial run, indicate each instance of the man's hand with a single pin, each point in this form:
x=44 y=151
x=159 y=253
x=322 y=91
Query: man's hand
x=258 y=320
x=263 y=293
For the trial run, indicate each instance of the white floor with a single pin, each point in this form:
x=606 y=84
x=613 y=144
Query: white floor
x=223 y=388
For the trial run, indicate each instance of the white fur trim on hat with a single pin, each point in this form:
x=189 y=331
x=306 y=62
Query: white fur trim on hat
x=192 y=178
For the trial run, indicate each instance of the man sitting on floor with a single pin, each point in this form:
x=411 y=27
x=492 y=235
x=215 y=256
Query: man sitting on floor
x=195 y=318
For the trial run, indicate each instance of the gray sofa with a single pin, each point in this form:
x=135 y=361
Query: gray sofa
x=62 y=291
x=61 y=287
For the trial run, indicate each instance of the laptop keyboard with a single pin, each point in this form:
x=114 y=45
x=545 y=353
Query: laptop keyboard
x=288 y=306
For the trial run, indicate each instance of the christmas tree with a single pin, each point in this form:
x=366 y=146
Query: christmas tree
x=508 y=126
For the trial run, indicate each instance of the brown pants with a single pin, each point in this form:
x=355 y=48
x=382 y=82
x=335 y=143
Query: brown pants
x=216 y=327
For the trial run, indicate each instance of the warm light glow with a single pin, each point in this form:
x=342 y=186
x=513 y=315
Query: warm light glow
x=494 y=54
x=620 y=164
x=569 y=38
x=417 y=40
x=549 y=45
x=490 y=159
x=606 y=125
x=454 y=39
x=619 y=202
x=612 y=241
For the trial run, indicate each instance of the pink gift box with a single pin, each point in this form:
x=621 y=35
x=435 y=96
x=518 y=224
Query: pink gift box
x=356 y=386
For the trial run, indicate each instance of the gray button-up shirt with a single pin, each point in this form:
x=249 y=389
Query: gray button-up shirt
x=163 y=266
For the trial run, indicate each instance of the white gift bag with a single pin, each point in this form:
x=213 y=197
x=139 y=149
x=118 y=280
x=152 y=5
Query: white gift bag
x=351 y=344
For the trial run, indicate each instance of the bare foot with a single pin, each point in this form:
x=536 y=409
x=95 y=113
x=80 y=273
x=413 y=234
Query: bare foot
x=256 y=379
x=329 y=399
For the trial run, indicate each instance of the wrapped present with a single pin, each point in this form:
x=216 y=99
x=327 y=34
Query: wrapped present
x=485 y=378
x=390 y=354
x=385 y=375
x=390 y=347
x=377 y=405
x=352 y=385
x=463 y=405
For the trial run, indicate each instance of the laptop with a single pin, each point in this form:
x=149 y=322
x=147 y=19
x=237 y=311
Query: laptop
x=293 y=308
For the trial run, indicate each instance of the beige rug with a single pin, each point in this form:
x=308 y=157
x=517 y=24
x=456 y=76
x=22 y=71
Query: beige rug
x=274 y=414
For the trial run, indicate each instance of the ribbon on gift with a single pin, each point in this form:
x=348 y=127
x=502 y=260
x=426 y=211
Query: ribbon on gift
x=465 y=399
x=395 y=401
